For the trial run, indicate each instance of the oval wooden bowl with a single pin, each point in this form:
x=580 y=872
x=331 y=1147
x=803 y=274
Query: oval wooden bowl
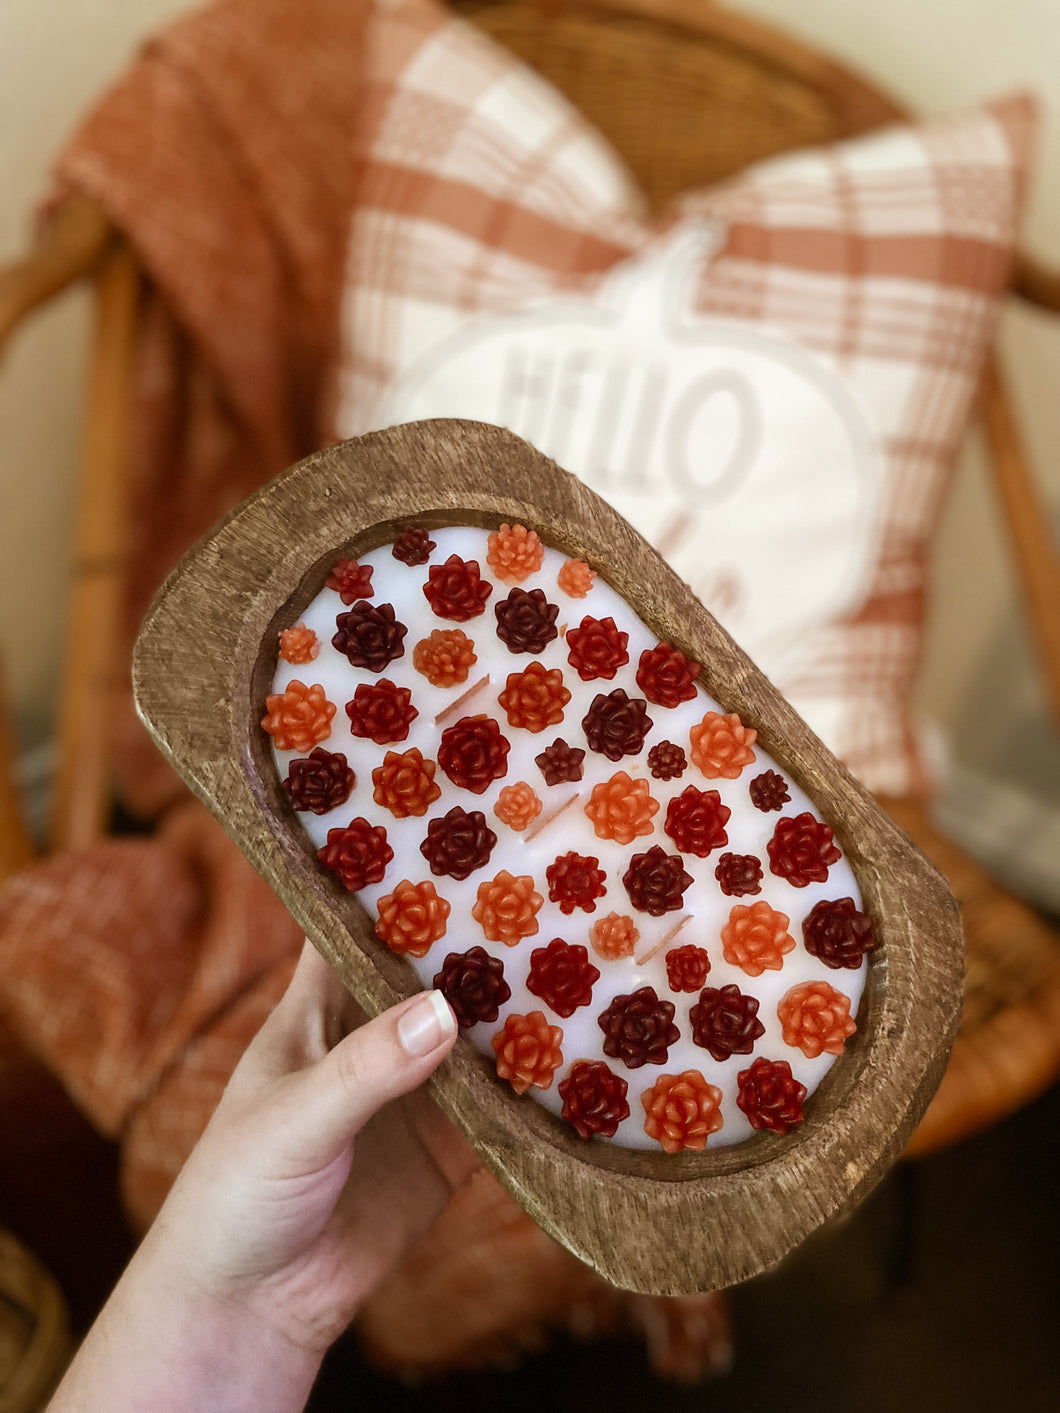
x=647 y=1222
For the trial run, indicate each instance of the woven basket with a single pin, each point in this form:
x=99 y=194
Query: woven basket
x=34 y=1337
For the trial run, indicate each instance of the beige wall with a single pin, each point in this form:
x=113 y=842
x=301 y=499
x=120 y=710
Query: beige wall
x=56 y=55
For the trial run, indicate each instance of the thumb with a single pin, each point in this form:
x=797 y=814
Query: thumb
x=331 y=1100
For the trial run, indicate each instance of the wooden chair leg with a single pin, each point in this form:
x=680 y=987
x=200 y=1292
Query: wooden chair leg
x=16 y=846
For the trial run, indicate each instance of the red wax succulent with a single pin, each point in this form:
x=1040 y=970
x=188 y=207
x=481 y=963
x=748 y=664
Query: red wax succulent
x=473 y=753
x=473 y=983
x=528 y=1052
x=696 y=820
x=594 y=1098
x=560 y=763
x=739 y=875
x=458 y=843
x=768 y=791
x=770 y=1095
x=682 y=1111
x=687 y=968
x=534 y=699
x=801 y=850
x=413 y=546
x=667 y=761
x=666 y=676
x=526 y=621
x=370 y=635
x=836 y=933
x=456 y=589
x=575 y=881
x=404 y=783
x=359 y=854
x=616 y=724
x=725 y=1021
x=597 y=648
x=350 y=580
x=563 y=976
x=381 y=712
x=639 y=1028
x=320 y=781
x=656 y=881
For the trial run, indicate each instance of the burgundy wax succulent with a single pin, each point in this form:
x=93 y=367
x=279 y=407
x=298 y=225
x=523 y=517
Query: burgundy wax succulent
x=667 y=761
x=768 y=791
x=370 y=635
x=473 y=983
x=725 y=1021
x=413 y=546
x=739 y=875
x=560 y=763
x=575 y=881
x=381 y=712
x=562 y=975
x=770 y=1095
x=456 y=589
x=801 y=850
x=597 y=648
x=320 y=781
x=473 y=753
x=696 y=820
x=836 y=933
x=350 y=580
x=458 y=843
x=616 y=724
x=666 y=676
x=526 y=621
x=656 y=881
x=594 y=1098
x=359 y=854
x=639 y=1029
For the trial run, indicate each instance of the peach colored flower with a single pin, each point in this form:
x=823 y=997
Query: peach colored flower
x=721 y=745
x=756 y=938
x=404 y=783
x=534 y=698
x=614 y=937
x=298 y=718
x=815 y=1017
x=517 y=805
x=621 y=808
x=514 y=553
x=682 y=1110
x=507 y=908
x=528 y=1051
x=412 y=918
x=298 y=645
x=575 y=578
x=445 y=658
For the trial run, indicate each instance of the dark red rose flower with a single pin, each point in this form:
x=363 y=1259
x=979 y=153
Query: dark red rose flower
x=768 y=791
x=836 y=933
x=473 y=983
x=473 y=753
x=696 y=820
x=370 y=635
x=562 y=975
x=770 y=1095
x=725 y=1021
x=456 y=589
x=381 y=712
x=667 y=761
x=575 y=881
x=687 y=968
x=639 y=1029
x=656 y=881
x=616 y=724
x=666 y=676
x=597 y=648
x=458 y=843
x=350 y=580
x=320 y=781
x=560 y=763
x=801 y=850
x=739 y=875
x=413 y=546
x=594 y=1098
x=526 y=621
x=359 y=854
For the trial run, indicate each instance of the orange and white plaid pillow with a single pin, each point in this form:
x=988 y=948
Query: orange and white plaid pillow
x=771 y=383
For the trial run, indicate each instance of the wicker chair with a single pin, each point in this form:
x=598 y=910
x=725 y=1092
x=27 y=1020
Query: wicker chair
x=688 y=94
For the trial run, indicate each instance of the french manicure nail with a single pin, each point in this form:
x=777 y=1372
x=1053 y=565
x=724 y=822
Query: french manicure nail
x=425 y=1025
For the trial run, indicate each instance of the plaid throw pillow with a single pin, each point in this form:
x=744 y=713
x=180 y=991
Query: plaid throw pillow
x=771 y=383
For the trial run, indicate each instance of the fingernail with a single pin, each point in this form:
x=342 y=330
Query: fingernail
x=425 y=1025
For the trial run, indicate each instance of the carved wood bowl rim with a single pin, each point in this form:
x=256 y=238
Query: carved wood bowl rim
x=646 y=1221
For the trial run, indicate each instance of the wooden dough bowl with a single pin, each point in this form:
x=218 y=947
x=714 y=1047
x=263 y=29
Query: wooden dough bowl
x=646 y=1221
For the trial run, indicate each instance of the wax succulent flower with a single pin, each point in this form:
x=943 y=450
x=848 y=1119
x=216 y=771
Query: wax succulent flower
x=413 y=546
x=350 y=580
x=412 y=918
x=526 y=621
x=597 y=648
x=299 y=645
x=359 y=854
x=768 y=791
x=802 y=850
x=756 y=938
x=621 y=808
x=696 y=820
x=515 y=553
x=815 y=1018
x=560 y=763
x=770 y=1095
x=534 y=699
x=614 y=937
x=837 y=933
x=575 y=578
x=594 y=1099
x=687 y=968
x=639 y=1028
x=445 y=657
x=667 y=761
x=473 y=753
x=575 y=881
x=616 y=724
x=656 y=881
x=528 y=1051
x=458 y=843
x=299 y=717
x=506 y=908
x=381 y=712
x=739 y=875
x=370 y=636
x=562 y=975
x=517 y=806
x=456 y=589
x=682 y=1111
x=404 y=783
x=666 y=676
x=721 y=746
x=473 y=983
x=319 y=782
x=725 y=1021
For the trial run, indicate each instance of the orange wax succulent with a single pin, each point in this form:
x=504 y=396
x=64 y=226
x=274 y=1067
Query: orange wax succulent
x=507 y=908
x=621 y=808
x=517 y=806
x=528 y=1051
x=815 y=1018
x=514 y=553
x=412 y=918
x=614 y=937
x=575 y=578
x=682 y=1111
x=756 y=938
x=534 y=698
x=299 y=717
x=404 y=783
x=721 y=745
x=298 y=645
x=445 y=658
